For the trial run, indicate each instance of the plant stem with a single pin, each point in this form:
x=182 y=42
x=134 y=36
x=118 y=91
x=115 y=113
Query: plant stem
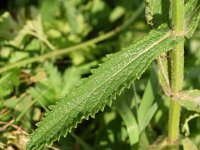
x=59 y=52
x=177 y=69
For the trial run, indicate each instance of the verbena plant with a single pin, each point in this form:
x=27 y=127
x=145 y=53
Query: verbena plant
x=173 y=21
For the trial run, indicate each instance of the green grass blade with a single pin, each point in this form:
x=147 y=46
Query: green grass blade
x=148 y=116
x=145 y=104
x=129 y=120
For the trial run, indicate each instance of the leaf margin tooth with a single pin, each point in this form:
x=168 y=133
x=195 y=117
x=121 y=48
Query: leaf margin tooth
x=111 y=97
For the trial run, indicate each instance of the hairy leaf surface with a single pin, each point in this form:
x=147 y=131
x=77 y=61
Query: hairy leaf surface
x=192 y=12
x=95 y=92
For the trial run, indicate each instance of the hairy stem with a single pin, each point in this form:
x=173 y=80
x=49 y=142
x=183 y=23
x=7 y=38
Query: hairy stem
x=177 y=69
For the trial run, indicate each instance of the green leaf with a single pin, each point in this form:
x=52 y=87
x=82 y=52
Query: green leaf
x=48 y=9
x=72 y=14
x=145 y=104
x=129 y=119
x=8 y=82
x=54 y=77
x=157 y=12
x=48 y=88
x=188 y=144
x=147 y=108
x=116 y=13
x=71 y=77
x=189 y=99
x=192 y=12
x=185 y=127
x=95 y=92
x=148 y=116
x=9 y=27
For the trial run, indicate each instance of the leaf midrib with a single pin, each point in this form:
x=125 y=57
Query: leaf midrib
x=168 y=34
x=154 y=44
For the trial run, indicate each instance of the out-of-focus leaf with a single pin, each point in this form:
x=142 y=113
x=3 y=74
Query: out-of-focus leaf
x=129 y=119
x=185 y=127
x=21 y=105
x=54 y=77
x=72 y=15
x=47 y=90
x=34 y=45
x=4 y=88
x=189 y=99
x=145 y=105
x=77 y=57
x=192 y=12
x=8 y=26
x=116 y=13
x=16 y=56
x=36 y=114
x=48 y=9
x=41 y=96
x=8 y=82
x=157 y=12
x=149 y=115
x=53 y=85
x=70 y=77
x=143 y=141
x=188 y=144
x=98 y=6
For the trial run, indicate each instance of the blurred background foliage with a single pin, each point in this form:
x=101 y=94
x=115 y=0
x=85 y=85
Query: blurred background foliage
x=31 y=29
